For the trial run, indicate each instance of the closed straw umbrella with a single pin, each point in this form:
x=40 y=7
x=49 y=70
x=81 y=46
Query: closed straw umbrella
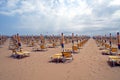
x=62 y=41
x=110 y=41
x=118 y=40
x=73 y=39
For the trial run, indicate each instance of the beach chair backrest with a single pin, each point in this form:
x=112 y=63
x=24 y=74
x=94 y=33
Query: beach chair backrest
x=114 y=50
x=107 y=46
x=67 y=54
x=42 y=46
x=74 y=47
x=79 y=45
x=54 y=44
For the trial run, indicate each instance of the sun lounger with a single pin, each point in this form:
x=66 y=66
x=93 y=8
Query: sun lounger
x=106 y=50
x=114 y=51
x=74 y=49
x=20 y=54
x=43 y=47
x=62 y=57
x=113 y=60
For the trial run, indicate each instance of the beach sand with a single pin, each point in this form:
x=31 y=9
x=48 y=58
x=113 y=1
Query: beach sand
x=89 y=64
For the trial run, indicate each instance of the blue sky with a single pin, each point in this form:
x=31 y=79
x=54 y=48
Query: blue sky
x=56 y=16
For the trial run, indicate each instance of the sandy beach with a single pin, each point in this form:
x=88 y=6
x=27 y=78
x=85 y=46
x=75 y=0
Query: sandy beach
x=88 y=64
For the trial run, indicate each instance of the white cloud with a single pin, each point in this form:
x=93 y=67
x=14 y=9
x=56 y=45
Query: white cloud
x=116 y=14
x=12 y=3
x=115 y=3
x=56 y=18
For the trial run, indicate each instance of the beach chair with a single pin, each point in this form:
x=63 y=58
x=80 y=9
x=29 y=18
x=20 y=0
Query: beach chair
x=114 y=51
x=98 y=43
x=53 y=45
x=74 y=49
x=113 y=60
x=107 y=49
x=79 y=45
x=31 y=44
x=62 y=57
x=36 y=48
x=43 y=47
x=102 y=46
x=20 y=54
x=67 y=55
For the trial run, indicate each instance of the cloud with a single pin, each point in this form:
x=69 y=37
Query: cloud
x=83 y=16
x=116 y=14
x=115 y=3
